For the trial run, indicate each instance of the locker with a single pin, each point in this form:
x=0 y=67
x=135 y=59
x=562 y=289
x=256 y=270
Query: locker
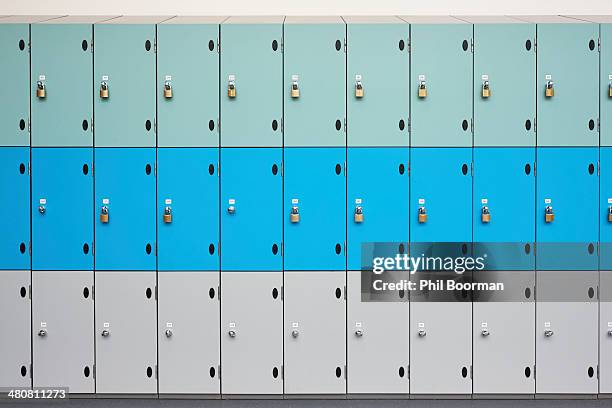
x=126 y=320
x=62 y=61
x=188 y=68
x=62 y=200
x=14 y=94
x=448 y=209
x=315 y=332
x=251 y=209
x=441 y=64
x=605 y=81
x=315 y=190
x=373 y=173
x=188 y=333
x=125 y=189
x=252 y=333
x=568 y=62
x=378 y=115
x=605 y=208
x=378 y=352
x=314 y=64
x=15 y=345
x=14 y=198
x=605 y=331
x=252 y=62
x=124 y=67
x=62 y=330
x=188 y=209
x=504 y=82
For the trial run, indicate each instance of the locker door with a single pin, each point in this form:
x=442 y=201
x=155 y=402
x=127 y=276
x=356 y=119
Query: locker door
x=379 y=117
x=605 y=331
x=315 y=62
x=252 y=58
x=506 y=116
x=15 y=345
x=188 y=63
x=315 y=184
x=251 y=190
x=378 y=348
x=62 y=61
x=188 y=209
x=378 y=189
x=605 y=83
x=567 y=56
x=441 y=61
x=188 y=333
x=62 y=200
x=124 y=59
x=315 y=332
x=125 y=186
x=14 y=198
x=126 y=320
x=62 y=326
x=14 y=94
x=251 y=333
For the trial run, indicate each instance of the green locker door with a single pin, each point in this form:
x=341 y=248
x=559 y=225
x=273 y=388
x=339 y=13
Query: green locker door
x=606 y=83
x=441 y=65
x=568 y=60
x=124 y=63
x=62 y=62
x=504 y=82
x=188 y=82
x=252 y=64
x=315 y=66
x=377 y=93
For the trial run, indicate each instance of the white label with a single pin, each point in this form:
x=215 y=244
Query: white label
x=232 y=325
x=295 y=77
x=547 y=201
x=547 y=324
x=168 y=201
x=421 y=325
x=610 y=77
x=484 y=201
x=105 y=201
x=43 y=201
x=357 y=324
x=357 y=77
x=358 y=201
x=106 y=325
x=169 y=325
x=42 y=77
x=485 y=77
x=231 y=201
x=105 y=77
x=609 y=200
x=168 y=77
x=295 y=201
x=609 y=324
x=484 y=325
x=231 y=77
x=421 y=77
x=295 y=325
x=421 y=201
x=43 y=324
x=548 y=77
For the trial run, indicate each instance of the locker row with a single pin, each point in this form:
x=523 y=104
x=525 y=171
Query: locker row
x=269 y=209
x=305 y=81
x=257 y=333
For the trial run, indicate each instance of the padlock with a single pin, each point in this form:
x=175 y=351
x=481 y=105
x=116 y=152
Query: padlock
x=485 y=215
x=295 y=214
x=422 y=215
x=550 y=89
x=610 y=90
x=167 y=90
x=295 y=89
x=422 y=89
x=358 y=214
x=486 y=89
x=231 y=88
x=168 y=215
x=104 y=90
x=358 y=89
x=104 y=215
x=549 y=215
x=610 y=214
x=41 y=90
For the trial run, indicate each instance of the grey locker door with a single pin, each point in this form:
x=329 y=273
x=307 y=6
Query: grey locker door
x=126 y=335
x=440 y=359
x=377 y=334
x=15 y=344
x=605 y=333
x=315 y=332
x=188 y=332
x=63 y=318
x=251 y=333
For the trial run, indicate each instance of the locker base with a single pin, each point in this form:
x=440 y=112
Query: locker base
x=441 y=396
x=566 y=396
x=378 y=396
x=316 y=396
x=190 y=396
x=253 y=397
x=503 y=396
x=126 y=396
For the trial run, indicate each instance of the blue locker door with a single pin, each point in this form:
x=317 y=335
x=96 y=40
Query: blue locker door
x=316 y=187
x=605 y=207
x=125 y=185
x=378 y=187
x=188 y=209
x=251 y=209
x=62 y=207
x=441 y=184
x=14 y=198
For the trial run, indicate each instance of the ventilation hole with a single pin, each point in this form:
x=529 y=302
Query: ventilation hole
x=86 y=372
x=23 y=292
x=527 y=168
x=148 y=169
x=22 y=247
x=211 y=125
x=274 y=45
x=401 y=45
x=148 y=45
x=528 y=124
x=211 y=249
x=401 y=248
x=464 y=372
x=24 y=371
x=338 y=372
x=274 y=293
x=149 y=372
x=591 y=124
x=85 y=169
x=148 y=249
x=591 y=45
x=211 y=293
x=338 y=45
x=527 y=372
x=338 y=293
x=212 y=372
x=338 y=169
x=591 y=248
x=21 y=168
x=86 y=248
x=464 y=125
x=85 y=292
x=338 y=124
x=148 y=293
x=84 y=45
x=21 y=45
x=401 y=372
x=338 y=249
x=591 y=292
x=274 y=124
x=527 y=293
x=591 y=168
x=21 y=124
x=465 y=45
x=401 y=124
x=528 y=45
x=402 y=168
x=211 y=45
x=464 y=169
x=275 y=249
x=274 y=169
x=590 y=371
x=275 y=372
x=401 y=293
x=527 y=248
x=464 y=249
x=148 y=125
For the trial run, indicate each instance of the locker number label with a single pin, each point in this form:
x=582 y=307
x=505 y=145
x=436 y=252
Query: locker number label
x=547 y=324
x=43 y=324
x=548 y=77
x=547 y=201
x=42 y=77
x=484 y=325
x=609 y=200
x=484 y=201
x=295 y=325
x=232 y=325
x=421 y=201
x=105 y=77
x=421 y=325
x=610 y=77
x=485 y=77
x=43 y=201
x=295 y=201
x=168 y=77
x=231 y=77
x=357 y=324
x=421 y=77
x=169 y=325
x=168 y=201
x=105 y=201
x=358 y=201
x=295 y=77
x=231 y=201
x=358 y=77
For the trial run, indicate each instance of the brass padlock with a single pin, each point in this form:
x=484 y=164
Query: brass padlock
x=550 y=89
x=167 y=215
x=422 y=89
x=485 y=215
x=295 y=89
x=41 y=90
x=610 y=214
x=610 y=90
x=231 y=87
x=295 y=214
x=104 y=90
x=549 y=215
x=167 y=90
x=486 y=89
x=104 y=215
x=358 y=214
x=422 y=215
x=358 y=89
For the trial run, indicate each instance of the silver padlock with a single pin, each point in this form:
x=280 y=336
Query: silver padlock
x=548 y=333
x=168 y=333
x=359 y=333
x=42 y=332
x=485 y=332
x=610 y=332
x=42 y=209
x=422 y=333
x=232 y=333
x=105 y=333
x=295 y=333
x=231 y=209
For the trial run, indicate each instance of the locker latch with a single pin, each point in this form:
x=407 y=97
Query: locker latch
x=359 y=333
x=41 y=89
x=168 y=214
x=42 y=332
x=294 y=217
x=232 y=333
x=358 y=214
x=485 y=332
x=104 y=214
x=295 y=333
x=231 y=86
x=610 y=214
x=548 y=333
x=422 y=332
x=422 y=215
x=610 y=332
x=168 y=333
x=358 y=87
x=105 y=333
x=42 y=209
x=422 y=89
x=610 y=90
x=485 y=215
x=486 y=89
x=550 y=88
x=295 y=86
x=167 y=89
x=231 y=209
x=549 y=215
x=104 y=90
